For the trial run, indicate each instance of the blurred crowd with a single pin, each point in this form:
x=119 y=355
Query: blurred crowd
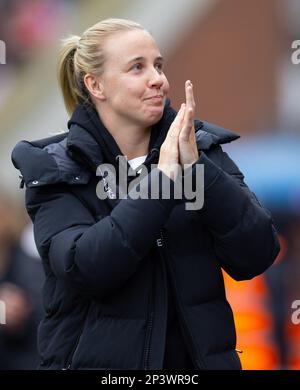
x=27 y=26
x=21 y=280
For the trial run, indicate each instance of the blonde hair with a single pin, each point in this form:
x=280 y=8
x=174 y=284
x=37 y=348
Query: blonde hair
x=81 y=55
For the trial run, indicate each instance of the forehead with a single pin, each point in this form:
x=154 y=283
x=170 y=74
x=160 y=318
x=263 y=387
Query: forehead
x=125 y=45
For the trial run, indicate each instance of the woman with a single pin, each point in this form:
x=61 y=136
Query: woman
x=136 y=283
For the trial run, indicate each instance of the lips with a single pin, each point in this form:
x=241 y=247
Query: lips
x=155 y=97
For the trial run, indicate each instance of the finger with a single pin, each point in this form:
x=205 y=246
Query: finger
x=180 y=115
x=177 y=123
x=188 y=124
x=174 y=134
x=190 y=108
x=189 y=94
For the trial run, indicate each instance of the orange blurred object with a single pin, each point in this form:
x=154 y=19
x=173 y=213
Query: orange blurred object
x=254 y=323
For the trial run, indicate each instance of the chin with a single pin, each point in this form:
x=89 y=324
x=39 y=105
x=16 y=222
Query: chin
x=150 y=116
x=155 y=115
x=154 y=119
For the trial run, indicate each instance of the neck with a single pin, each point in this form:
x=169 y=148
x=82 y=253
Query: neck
x=132 y=139
x=133 y=142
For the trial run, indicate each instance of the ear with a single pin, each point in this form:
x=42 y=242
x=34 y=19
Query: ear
x=94 y=86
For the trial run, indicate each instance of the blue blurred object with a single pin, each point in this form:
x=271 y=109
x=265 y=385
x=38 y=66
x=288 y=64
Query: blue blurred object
x=271 y=165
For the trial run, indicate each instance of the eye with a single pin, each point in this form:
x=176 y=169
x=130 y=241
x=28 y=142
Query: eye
x=137 y=66
x=159 y=66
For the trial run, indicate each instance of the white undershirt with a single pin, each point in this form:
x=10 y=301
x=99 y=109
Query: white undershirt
x=137 y=161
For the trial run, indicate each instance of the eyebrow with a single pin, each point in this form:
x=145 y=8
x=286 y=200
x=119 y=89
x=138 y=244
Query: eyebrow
x=159 y=58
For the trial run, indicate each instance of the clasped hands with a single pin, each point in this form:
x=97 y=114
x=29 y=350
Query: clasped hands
x=180 y=147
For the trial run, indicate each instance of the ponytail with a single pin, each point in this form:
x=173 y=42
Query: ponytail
x=66 y=73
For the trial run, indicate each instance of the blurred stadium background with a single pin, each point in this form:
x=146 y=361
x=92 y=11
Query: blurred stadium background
x=238 y=55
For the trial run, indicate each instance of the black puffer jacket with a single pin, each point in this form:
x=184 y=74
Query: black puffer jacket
x=107 y=262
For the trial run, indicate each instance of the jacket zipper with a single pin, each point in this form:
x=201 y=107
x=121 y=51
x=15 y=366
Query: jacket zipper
x=148 y=344
x=74 y=350
x=70 y=360
x=147 y=348
x=186 y=332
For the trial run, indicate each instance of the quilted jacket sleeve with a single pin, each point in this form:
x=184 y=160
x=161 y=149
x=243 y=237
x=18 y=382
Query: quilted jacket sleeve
x=245 y=239
x=95 y=257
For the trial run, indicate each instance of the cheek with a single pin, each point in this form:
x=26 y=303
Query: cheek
x=128 y=98
x=132 y=91
x=133 y=95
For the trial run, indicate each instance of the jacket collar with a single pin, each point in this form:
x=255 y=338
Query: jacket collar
x=89 y=142
x=64 y=158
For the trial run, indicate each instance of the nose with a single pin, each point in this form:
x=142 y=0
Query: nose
x=156 y=79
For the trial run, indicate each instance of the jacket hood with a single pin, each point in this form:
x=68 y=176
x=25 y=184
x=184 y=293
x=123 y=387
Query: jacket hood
x=71 y=157
x=106 y=149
